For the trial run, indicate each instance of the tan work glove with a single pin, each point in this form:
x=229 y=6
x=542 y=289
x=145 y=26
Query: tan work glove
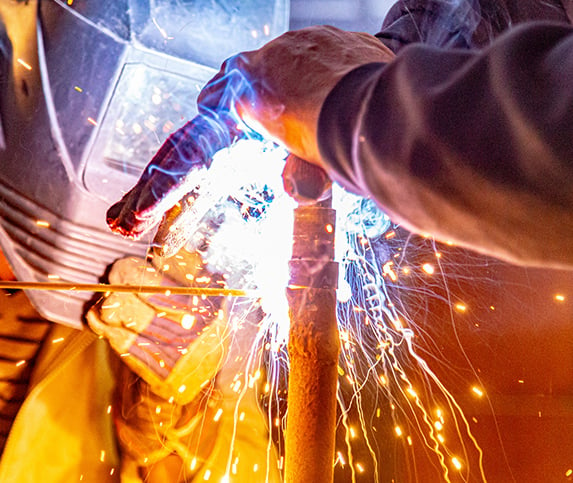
x=176 y=343
x=173 y=346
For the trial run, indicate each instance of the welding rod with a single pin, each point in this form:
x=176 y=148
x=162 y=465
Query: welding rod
x=148 y=289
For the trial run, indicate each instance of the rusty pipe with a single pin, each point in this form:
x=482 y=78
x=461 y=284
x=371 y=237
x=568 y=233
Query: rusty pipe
x=313 y=339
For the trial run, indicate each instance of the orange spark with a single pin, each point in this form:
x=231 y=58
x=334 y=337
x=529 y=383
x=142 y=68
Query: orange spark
x=428 y=268
x=24 y=64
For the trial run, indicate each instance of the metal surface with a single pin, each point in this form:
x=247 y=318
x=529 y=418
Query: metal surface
x=354 y=15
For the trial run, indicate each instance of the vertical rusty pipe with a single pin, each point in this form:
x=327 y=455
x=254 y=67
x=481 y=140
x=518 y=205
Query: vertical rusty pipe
x=313 y=347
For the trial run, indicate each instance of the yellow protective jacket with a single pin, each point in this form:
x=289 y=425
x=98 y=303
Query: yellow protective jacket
x=64 y=429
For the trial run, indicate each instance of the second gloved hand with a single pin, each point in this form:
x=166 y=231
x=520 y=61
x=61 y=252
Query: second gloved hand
x=176 y=343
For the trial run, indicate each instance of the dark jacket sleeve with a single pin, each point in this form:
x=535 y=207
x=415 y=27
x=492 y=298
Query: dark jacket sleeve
x=472 y=147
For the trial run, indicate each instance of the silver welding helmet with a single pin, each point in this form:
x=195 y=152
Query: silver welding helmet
x=89 y=90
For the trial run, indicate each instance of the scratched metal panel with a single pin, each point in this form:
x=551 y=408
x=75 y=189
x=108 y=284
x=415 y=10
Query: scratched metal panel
x=358 y=15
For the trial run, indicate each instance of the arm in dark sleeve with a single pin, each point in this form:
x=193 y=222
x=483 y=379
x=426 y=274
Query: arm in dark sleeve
x=471 y=147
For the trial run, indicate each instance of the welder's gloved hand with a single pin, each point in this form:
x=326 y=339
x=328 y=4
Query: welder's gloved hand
x=176 y=343
x=277 y=91
x=289 y=79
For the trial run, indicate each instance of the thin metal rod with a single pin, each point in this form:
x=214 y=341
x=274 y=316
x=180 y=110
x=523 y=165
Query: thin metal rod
x=148 y=289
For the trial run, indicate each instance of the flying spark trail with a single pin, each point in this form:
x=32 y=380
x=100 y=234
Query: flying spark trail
x=241 y=225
